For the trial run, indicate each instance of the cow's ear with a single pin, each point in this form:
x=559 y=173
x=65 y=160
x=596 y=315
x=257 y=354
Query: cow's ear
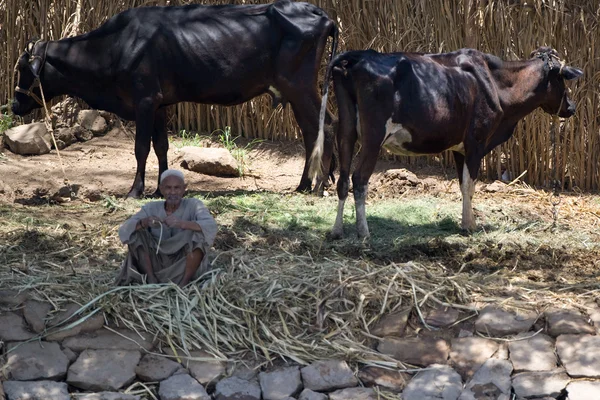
x=571 y=73
x=35 y=66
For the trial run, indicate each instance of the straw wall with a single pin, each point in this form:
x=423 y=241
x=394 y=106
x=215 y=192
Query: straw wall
x=510 y=29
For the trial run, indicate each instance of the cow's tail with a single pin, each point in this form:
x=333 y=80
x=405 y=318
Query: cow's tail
x=315 y=163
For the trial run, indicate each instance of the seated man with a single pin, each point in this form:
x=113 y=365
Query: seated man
x=168 y=240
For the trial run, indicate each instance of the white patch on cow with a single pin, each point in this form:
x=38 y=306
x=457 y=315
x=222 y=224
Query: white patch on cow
x=467 y=189
x=274 y=90
x=362 y=228
x=338 y=228
x=396 y=138
x=459 y=148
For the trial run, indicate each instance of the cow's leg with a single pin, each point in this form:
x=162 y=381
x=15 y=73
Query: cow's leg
x=467 y=169
x=147 y=98
x=305 y=103
x=372 y=133
x=327 y=161
x=297 y=81
x=143 y=135
x=160 y=142
x=346 y=139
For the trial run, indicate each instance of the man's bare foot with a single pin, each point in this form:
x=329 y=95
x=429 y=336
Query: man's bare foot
x=184 y=282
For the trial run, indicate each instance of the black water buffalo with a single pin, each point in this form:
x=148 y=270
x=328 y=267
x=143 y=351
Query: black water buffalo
x=413 y=104
x=147 y=58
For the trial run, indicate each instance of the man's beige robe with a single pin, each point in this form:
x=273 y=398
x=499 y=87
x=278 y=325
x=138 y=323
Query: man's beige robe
x=175 y=244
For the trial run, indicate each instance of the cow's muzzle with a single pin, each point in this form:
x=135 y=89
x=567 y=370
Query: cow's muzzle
x=29 y=92
x=567 y=111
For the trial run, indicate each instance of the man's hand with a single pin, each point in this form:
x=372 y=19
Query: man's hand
x=149 y=221
x=173 y=222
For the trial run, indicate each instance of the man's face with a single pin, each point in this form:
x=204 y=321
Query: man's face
x=173 y=189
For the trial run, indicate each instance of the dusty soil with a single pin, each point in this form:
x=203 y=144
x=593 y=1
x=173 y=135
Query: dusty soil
x=106 y=166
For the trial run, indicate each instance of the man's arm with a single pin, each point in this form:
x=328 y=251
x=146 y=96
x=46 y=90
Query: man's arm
x=139 y=220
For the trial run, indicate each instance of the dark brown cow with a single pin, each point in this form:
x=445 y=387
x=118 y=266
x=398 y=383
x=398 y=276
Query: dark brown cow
x=144 y=59
x=414 y=104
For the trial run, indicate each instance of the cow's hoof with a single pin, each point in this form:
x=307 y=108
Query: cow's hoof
x=469 y=228
x=133 y=194
x=364 y=237
x=156 y=194
x=304 y=188
x=336 y=234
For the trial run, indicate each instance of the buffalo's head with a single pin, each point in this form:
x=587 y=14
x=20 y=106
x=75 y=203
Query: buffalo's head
x=557 y=99
x=28 y=70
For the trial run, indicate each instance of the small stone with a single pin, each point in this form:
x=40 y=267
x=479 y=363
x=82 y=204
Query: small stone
x=533 y=354
x=83 y=135
x=328 y=375
x=442 y=317
x=540 y=384
x=562 y=322
x=354 y=394
x=35 y=313
x=39 y=390
x=208 y=370
x=182 y=387
x=387 y=378
x=234 y=388
x=502 y=353
x=392 y=324
x=36 y=361
x=416 y=351
x=468 y=354
x=580 y=354
x=103 y=370
x=491 y=380
x=108 y=396
x=439 y=382
x=71 y=355
x=91 y=120
x=308 y=394
x=123 y=339
x=280 y=383
x=154 y=368
x=496 y=322
x=245 y=371
x=12 y=298
x=66 y=136
x=12 y=328
x=584 y=390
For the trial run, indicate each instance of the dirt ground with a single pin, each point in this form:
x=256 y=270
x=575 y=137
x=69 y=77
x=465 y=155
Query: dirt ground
x=106 y=166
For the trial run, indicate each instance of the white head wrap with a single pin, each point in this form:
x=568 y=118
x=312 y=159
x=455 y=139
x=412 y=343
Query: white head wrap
x=172 y=172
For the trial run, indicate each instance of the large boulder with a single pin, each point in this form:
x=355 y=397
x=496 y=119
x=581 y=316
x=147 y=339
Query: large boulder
x=29 y=139
x=209 y=161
